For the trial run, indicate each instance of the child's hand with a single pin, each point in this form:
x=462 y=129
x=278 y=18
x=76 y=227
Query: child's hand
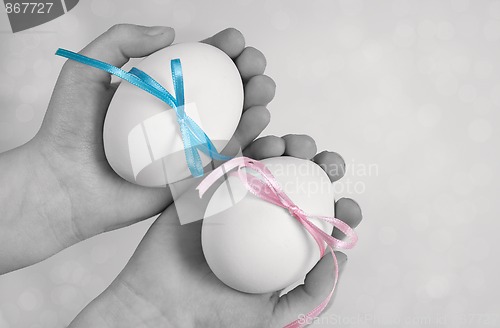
x=167 y=282
x=60 y=188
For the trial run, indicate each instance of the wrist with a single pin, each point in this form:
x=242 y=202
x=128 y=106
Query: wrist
x=119 y=306
x=32 y=207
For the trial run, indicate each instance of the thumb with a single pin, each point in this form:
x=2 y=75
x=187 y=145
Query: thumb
x=116 y=46
x=296 y=304
x=83 y=93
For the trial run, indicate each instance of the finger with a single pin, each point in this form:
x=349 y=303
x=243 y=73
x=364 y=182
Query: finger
x=316 y=288
x=253 y=121
x=300 y=146
x=259 y=91
x=116 y=46
x=230 y=40
x=250 y=62
x=332 y=163
x=265 y=147
x=347 y=210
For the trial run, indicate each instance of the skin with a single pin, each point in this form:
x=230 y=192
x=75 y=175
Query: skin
x=167 y=282
x=62 y=190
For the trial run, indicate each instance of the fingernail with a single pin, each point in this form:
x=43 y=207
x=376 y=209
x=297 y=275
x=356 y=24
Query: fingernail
x=158 y=30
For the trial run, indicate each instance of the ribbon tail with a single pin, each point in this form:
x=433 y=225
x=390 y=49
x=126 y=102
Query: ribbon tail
x=148 y=79
x=205 y=145
x=309 y=317
x=194 y=162
x=315 y=232
x=193 y=159
x=127 y=76
x=343 y=227
x=178 y=80
x=219 y=172
x=198 y=143
x=212 y=152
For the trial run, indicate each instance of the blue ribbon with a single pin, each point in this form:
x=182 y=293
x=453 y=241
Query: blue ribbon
x=193 y=137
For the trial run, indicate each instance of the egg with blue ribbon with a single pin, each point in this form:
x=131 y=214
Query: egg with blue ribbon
x=174 y=113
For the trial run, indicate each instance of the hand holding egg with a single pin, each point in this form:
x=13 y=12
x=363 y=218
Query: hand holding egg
x=142 y=140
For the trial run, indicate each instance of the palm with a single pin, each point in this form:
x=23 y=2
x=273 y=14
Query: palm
x=168 y=272
x=84 y=172
x=171 y=255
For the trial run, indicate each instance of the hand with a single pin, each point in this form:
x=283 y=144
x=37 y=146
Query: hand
x=61 y=188
x=167 y=282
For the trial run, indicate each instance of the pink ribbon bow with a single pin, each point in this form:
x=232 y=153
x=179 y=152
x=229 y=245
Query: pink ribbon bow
x=267 y=188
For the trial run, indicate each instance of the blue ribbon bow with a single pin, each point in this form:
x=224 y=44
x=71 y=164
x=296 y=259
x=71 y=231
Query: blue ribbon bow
x=193 y=137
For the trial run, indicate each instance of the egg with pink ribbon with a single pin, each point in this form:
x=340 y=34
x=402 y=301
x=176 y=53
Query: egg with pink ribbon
x=143 y=141
x=255 y=246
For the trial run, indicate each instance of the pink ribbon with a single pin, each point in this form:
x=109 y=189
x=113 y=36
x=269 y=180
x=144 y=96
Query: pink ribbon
x=267 y=188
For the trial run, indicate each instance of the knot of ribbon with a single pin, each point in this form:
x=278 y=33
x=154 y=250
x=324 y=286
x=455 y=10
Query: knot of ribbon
x=194 y=139
x=294 y=210
x=265 y=186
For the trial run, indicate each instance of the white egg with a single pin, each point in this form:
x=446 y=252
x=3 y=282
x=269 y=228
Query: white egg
x=256 y=247
x=142 y=140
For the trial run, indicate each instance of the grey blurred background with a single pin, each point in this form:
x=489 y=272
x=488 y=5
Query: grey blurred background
x=407 y=91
